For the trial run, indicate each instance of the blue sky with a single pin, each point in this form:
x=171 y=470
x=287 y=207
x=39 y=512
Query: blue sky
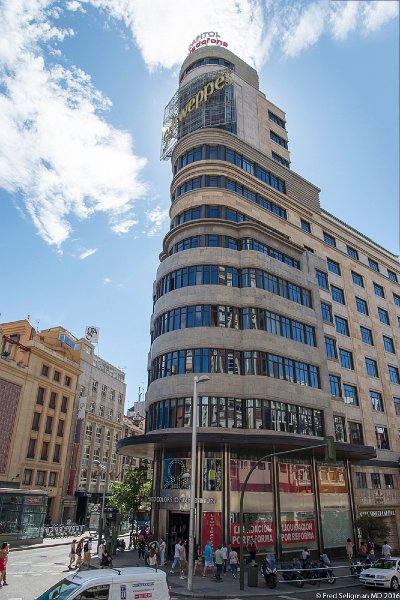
x=83 y=195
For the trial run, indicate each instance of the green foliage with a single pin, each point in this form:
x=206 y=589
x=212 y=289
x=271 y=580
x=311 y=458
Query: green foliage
x=372 y=528
x=132 y=493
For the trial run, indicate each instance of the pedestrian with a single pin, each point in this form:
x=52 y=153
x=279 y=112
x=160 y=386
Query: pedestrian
x=349 y=549
x=386 y=550
x=162 y=547
x=252 y=548
x=4 y=550
x=219 y=563
x=152 y=560
x=106 y=559
x=370 y=547
x=141 y=546
x=79 y=550
x=208 y=558
x=100 y=550
x=87 y=552
x=176 y=561
x=305 y=556
x=224 y=550
x=72 y=555
x=233 y=561
x=182 y=560
x=197 y=558
x=362 y=552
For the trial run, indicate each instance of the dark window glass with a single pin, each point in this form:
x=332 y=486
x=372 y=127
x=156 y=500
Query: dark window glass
x=49 y=425
x=340 y=430
x=278 y=140
x=361 y=480
x=376 y=401
x=396 y=299
x=383 y=316
x=376 y=481
x=40 y=477
x=64 y=404
x=373 y=264
x=350 y=395
x=371 y=367
x=31 y=449
x=388 y=478
x=333 y=266
x=362 y=306
x=394 y=374
x=276 y=119
x=351 y=252
x=382 y=439
x=392 y=276
x=40 y=395
x=388 y=344
x=329 y=239
x=57 y=453
x=366 y=336
x=334 y=383
x=337 y=294
x=355 y=434
x=53 y=399
x=282 y=161
x=330 y=346
x=36 y=421
x=357 y=279
x=379 y=291
x=305 y=225
x=346 y=359
x=27 y=478
x=60 y=428
x=326 y=311
x=45 y=370
x=396 y=402
x=322 y=279
x=342 y=325
x=44 y=455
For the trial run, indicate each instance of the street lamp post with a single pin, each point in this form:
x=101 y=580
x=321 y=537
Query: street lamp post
x=196 y=380
x=103 y=468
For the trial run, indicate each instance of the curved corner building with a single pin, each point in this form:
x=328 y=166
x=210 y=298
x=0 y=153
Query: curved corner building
x=292 y=314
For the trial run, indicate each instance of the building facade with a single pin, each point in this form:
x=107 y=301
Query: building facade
x=293 y=315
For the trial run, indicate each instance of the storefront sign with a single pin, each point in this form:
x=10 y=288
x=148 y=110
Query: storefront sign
x=261 y=531
x=295 y=478
x=212 y=528
x=377 y=513
x=260 y=479
x=294 y=532
x=332 y=480
x=206 y=38
x=180 y=500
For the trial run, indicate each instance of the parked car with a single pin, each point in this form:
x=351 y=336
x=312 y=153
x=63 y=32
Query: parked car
x=385 y=573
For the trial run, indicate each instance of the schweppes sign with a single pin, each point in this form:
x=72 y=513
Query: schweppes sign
x=196 y=101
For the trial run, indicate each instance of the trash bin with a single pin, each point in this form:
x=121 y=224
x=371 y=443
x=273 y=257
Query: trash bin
x=252 y=576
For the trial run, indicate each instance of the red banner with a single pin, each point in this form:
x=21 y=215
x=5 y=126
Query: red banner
x=261 y=531
x=295 y=478
x=294 y=532
x=212 y=529
x=260 y=480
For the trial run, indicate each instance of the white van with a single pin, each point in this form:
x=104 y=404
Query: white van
x=130 y=583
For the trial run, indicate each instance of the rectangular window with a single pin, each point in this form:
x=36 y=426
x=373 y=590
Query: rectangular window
x=357 y=279
x=40 y=395
x=376 y=401
x=337 y=294
x=394 y=374
x=376 y=481
x=277 y=158
x=36 y=421
x=371 y=367
x=362 y=306
x=361 y=480
x=382 y=439
x=383 y=316
x=342 y=325
x=379 y=291
x=64 y=404
x=322 y=279
x=329 y=239
x=45 y=370
x=305 y=225
x=40 y=477
x=333 y=266
x=396 y=299
x=366 y=335
x=31 y=449
x=340 y=429
x=350 y=395
x=392 y=276
x=67 y=380
x=60 y=428
x=44 y=455
x=388 y=344
x=278 y=140
x=273 y=117
x=334 y=383
x=330 y=346
x=373 y=264
x=355 y=433
x=49 y=425
x=52 y=479
x=326 y=311
x=57 y=453
x=396 y=402
x=351 y=252
x=389 y=485
x=346 y=359
x=56 y=376
x=53 y=399
x=27 y=478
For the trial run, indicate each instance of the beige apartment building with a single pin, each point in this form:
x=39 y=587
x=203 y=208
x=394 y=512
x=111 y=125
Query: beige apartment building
x=37 y=392
x=293 y=315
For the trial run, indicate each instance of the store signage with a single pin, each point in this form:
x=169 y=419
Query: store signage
x=206 y=38
x=261 y=531
x=201 y=97
x=377 y=513
x=332 y=480
x=295 y=478
x=260 y=480
x=212 y=528
x=180 y=500
x=294 y=532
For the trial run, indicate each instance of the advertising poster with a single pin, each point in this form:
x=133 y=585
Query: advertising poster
x=261 y=531
x=298 y=532
x=260 y=480
x=212 y=528
x=176 y=472
x=295 y=478
x=212 y=474
x=332 y=480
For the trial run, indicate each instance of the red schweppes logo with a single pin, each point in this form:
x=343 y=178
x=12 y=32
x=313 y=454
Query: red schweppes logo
x=206 y=38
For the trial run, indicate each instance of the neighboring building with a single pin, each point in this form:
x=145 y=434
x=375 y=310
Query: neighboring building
x=37 y=391
x=293 y=315
x=134 y=424
x=98 y=425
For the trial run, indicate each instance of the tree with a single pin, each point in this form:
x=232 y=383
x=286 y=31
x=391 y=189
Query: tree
x=132 y=493
x=372 y=528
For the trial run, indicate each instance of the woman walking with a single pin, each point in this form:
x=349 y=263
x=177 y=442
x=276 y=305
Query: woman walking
x=79 y=550
x=162 y=547
x=233 y=562
x=4 y=550
x=182 y=560
x=72 y=555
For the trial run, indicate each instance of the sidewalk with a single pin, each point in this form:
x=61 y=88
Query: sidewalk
x=230 y=588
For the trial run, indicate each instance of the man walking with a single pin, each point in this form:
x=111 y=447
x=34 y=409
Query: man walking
x=219 y=563
x=386 y=550
x=208 y=558
x=177 y=557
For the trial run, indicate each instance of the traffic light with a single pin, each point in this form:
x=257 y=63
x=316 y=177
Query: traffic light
x=330 y=452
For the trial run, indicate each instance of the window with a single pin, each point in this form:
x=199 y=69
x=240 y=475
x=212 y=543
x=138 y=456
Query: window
x=40 y=477
x=334 y=383
x=376 y=481
x=45 y=370
x=396 y=299
x=67 y=381
x=277 y=158
x=110 y=413
x=357 y=279
x=350 y=395
x=36 y=421
x=120 y=398
x=330 y=346
x=52 y=479
x=394 y=374
x=57 y=453
x=366 y=335
x=49 y=425
x=27 y=478
x=379 y=291
x=31 y=449
x=273 y=117
x=103 y=390
x=388 y=344
x=305 y=225
x=337 y=294
x=388 y=481
x=322 y=279
x=95 y=385
x=371 y=367
x=56 y=376
x=333 y=266
x=361 y=480
x=44 y=455
x=355 y=433
x=112 y=394
x=362 y=306
x=278 y=140
x=92 y=408
x=89 y=431
x=340 y=430
x=99 y=431
x=383 y=316
x=396 y=402
x=40 y=395
x=392 y=276
x=64 y=404
x=351 y=252
x=382 y=440
x=60 y=428
x=326 y=311
x=329 y=239
x=53 y=399
x=376 y=401
x=373 y=264
x=346 y=359
x=342 y=325
x=398 y=321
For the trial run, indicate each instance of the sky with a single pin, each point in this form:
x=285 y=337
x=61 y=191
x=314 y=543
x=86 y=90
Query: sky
x=84 y=197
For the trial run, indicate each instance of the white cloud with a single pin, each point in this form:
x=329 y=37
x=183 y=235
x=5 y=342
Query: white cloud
x=74 y=5
x=106 y=280
x=378 y=13
x=156 y=219
x=343 y=18
x=306 y=30
x=124 y=226
x=87 y=253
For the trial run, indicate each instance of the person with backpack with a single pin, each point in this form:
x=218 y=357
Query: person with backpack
x=87 y=552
